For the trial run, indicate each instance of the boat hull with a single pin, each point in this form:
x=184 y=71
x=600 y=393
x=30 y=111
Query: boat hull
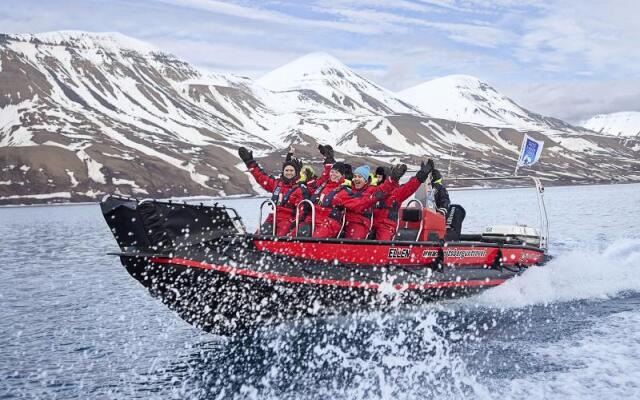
x=227 y=294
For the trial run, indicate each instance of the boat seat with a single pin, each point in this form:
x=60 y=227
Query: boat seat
x=410 y=221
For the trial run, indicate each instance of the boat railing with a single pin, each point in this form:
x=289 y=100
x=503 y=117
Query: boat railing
x=344 y=222
x=274 y=210
x=542 y=210
x=313 y=215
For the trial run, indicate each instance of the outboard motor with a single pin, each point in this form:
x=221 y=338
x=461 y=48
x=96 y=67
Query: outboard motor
x=455 y=216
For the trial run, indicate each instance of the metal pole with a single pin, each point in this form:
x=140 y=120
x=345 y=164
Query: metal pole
x=273 y=207
x=455 y=125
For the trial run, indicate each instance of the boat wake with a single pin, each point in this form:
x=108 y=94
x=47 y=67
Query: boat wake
x=438 y=351
x=580 y=274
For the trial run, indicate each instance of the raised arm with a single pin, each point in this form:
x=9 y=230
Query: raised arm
x=267 y=182
x=404 y=191
x=410 y=187
x=329 y=160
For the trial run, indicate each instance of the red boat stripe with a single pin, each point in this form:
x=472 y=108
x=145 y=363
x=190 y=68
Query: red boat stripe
x=316 y=281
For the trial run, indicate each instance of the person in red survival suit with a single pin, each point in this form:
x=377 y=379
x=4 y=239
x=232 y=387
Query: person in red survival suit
x=333 y=199
x=385 y=212
x=381 y=175
x=357 y=205
x=357 y=219
x=327 y=219
x=285 y=192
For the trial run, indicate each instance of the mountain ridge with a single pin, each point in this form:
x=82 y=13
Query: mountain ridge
x=77 y=121
x=465 y=98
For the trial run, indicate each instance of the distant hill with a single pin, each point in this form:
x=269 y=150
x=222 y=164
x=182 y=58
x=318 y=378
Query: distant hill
x=624 y=124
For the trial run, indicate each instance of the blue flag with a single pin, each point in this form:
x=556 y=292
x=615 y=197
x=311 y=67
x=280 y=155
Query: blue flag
x=530 y=151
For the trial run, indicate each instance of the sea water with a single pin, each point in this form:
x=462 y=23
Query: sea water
x=75 y=325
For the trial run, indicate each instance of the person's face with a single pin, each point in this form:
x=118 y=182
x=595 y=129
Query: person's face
x=289 y=172
x=359 y=181
x=334 y=175
x=379 y=178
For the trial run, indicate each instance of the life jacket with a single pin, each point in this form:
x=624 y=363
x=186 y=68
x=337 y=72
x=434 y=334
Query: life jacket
x=393 y=210
x=283 y=200
x=316 y=195
x=337 y=212
x=358 y=194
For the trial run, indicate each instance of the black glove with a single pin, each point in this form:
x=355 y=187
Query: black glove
x=425 y=169
x=297 y=164
x=397 y=171
x=380 y=195
x=430 y=164
x=328 y=154
x=246 y=156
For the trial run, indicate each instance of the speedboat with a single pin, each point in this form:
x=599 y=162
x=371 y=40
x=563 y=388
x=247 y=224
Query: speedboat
x=201 y=261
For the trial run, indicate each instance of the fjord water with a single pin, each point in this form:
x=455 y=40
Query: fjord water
x=73 y=324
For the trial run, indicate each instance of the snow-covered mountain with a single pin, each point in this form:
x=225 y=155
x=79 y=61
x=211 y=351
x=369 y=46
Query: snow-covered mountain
x=625 y=124
x=83 y=114
x=324 y=78
x=465 y=98
x=90 y=113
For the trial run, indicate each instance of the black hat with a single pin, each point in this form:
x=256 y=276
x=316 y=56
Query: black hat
x=436 y=176
x=340 y=167
x=382 y=171
x=348 y=173
x=295 y=163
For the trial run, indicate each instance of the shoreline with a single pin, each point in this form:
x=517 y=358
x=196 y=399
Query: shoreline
x=243 y=196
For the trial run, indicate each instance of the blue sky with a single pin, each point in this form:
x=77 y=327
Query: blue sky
x=567 y=59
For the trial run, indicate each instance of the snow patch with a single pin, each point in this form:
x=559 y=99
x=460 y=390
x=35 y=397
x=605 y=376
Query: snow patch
x=93 y=167
x=72 y=178
x=112 y=41
x=616 y=124
x=58 y=195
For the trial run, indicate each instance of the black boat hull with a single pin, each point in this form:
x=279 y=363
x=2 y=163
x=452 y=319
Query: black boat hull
x=226 y=302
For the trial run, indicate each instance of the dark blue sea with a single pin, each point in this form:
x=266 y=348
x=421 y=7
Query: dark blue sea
x=75 y=325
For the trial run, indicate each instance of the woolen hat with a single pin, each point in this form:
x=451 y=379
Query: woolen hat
x=340 y=167
x=363 y=171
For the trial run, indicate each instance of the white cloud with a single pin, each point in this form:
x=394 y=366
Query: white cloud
x=477 y=35
x=396 y=4
x=588 y=35
x=576 y=101
x=259 y=14
x=225 y=57
x=468 y=33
